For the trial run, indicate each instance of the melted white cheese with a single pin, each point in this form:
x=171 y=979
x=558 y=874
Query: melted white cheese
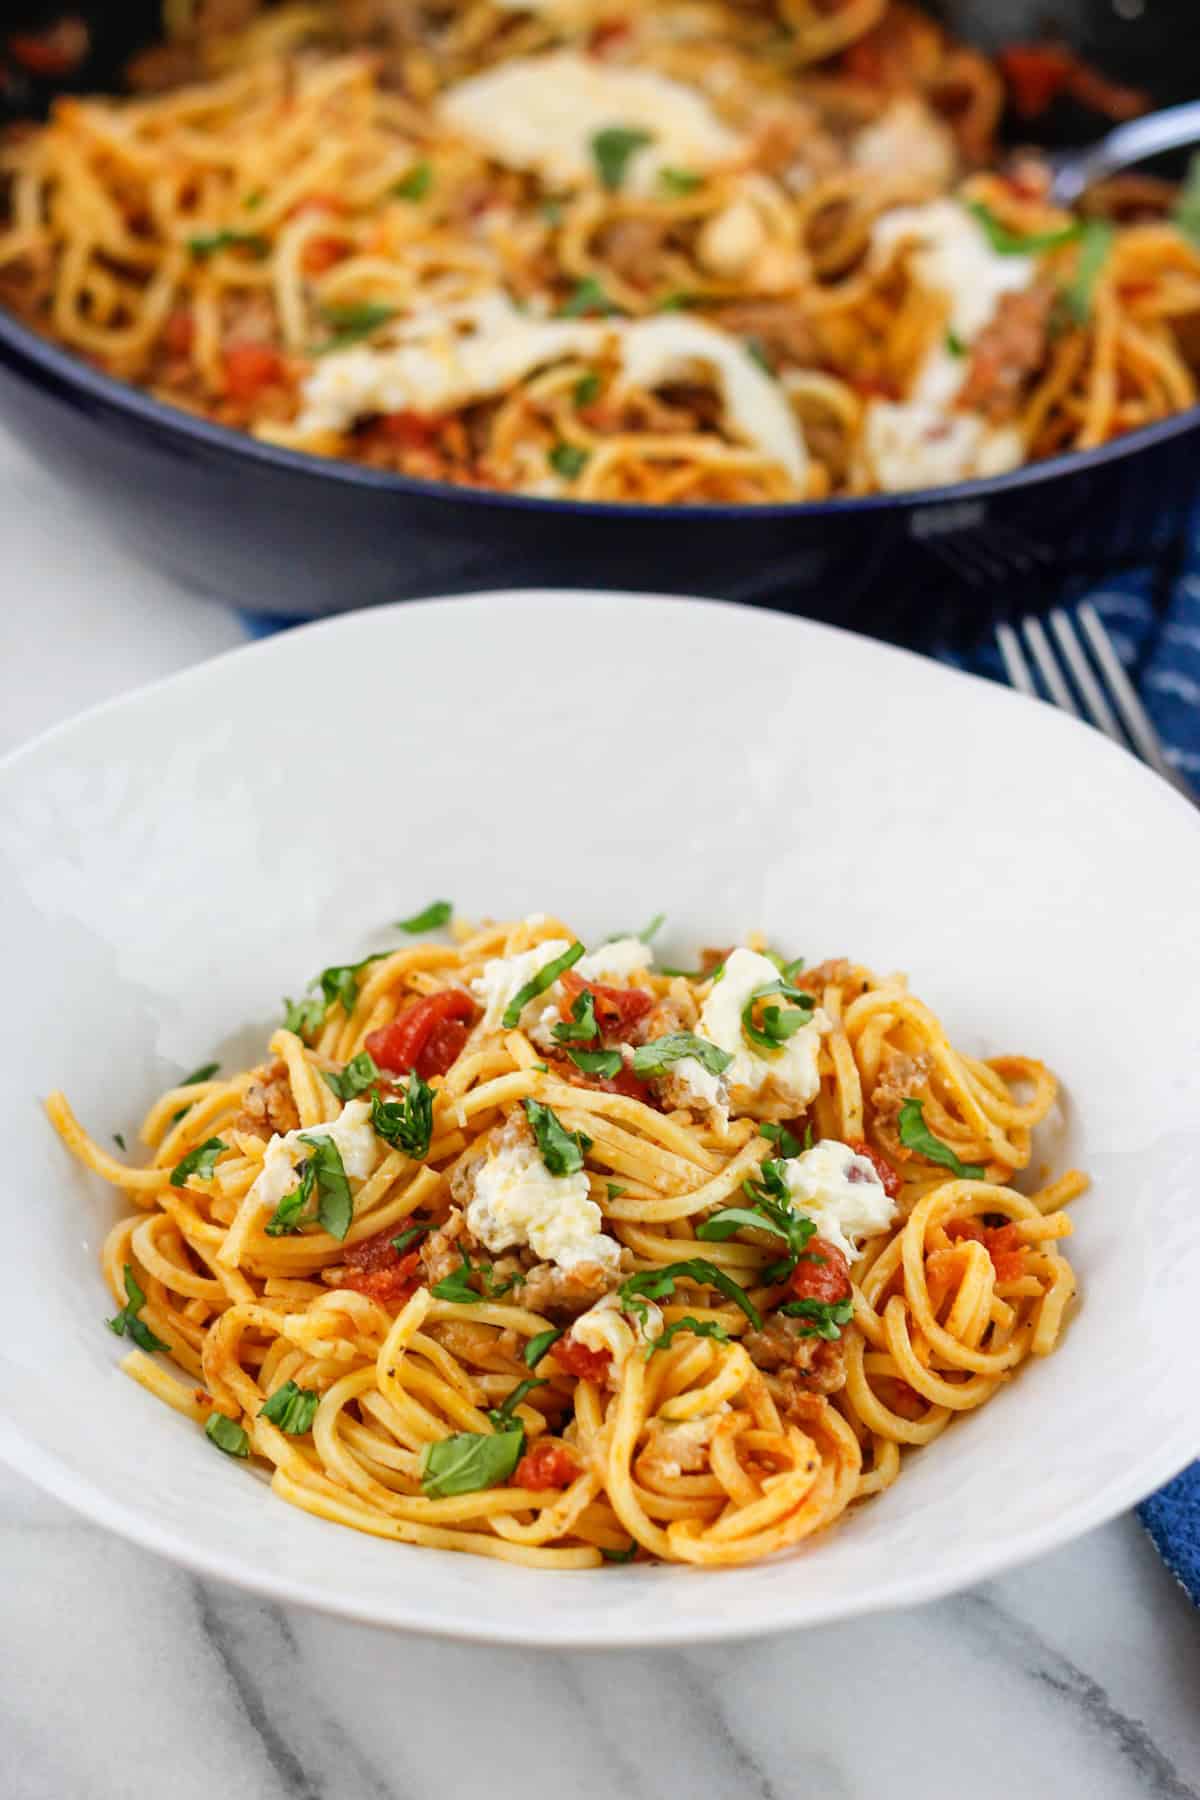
x=501 y=980
x=484 y=347
x=350 y=1131
x=908 y=139
x=915 y=445
x=840 y=1191
x=517 y=1201
x=789 y=1074
x=541 y=113
x=605 y=1326
x=614 y=963
x=688 y=1083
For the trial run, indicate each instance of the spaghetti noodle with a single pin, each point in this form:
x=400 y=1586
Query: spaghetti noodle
x=556 y=1257
x=668 y=253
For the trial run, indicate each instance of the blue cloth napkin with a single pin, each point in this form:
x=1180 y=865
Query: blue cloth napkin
x=1154 y=623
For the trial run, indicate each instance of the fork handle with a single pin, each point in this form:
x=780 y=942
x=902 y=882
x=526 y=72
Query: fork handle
x=1171 y=129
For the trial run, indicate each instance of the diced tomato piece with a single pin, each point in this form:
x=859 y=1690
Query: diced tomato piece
x=56 y=51
x=883 y=1168
x=427 y=1036
x=249 y=368
x=1036 y=75
x=376 y=1268
x=617 y=1009
x=578 y=1360
x=906 y=1401
x=179 y=331
x=623 y=1082
x=606 y=35
x=320 y=253
x=826 y=1279
x=547 y=1465
x=1003 y=1244
x=410 y=430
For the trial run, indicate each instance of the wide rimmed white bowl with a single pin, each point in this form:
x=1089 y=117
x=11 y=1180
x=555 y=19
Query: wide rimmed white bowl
x=172 y=863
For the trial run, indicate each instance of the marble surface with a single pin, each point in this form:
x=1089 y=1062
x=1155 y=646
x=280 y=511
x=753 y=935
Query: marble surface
x=122 y=1678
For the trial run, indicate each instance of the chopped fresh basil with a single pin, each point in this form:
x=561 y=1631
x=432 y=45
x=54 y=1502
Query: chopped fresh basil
x=680 y=181
x=586 y=388
x=200 y=1161
x=341 y=981
x=562 y=1151
x=649 y=932
x=612 y=149
x=254 y=199
x=1186 y=212
x=207 y=243
x=916 y=1135
x=409 y=1237
x=552 y=211
x=723 y=1224
x=581 y=1028
x=546 y=976
x=954 y=343
x=1017 y=243
x=709 y=1328
x=567 y=460
x=825 y=1317
x=537 y=1346
x=286 y=1218
x=771 y=1028
x=350 y=324
x=292 y=1408
x=656 y=1057
x=676 y=300
x=335 y=1208
x=1095 y=247
x=304 y=1017
x=118 y=1140
x=227 y=1435
x=407 y=1124
x=587 y=296
x=756 y=351
x=502 y=1415
x=781 y=1137
x=205 y=1072
x=613 y=1189
x=657 y=1284
x=467 y=1462
x=437 y=913
x=457 y=1286
x=605 y=1063
x=127 y=1322
x=621 y=1556
x=351 y=1081
x=415 y=183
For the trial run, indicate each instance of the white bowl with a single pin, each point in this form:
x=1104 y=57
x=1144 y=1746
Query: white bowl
x=173 y=863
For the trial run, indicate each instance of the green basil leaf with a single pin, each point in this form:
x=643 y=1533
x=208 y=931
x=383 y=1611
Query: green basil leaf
x=406 y=1124
x=200 y=1161
x=227 y=1435
x=605 y=1063
x=340 y=982
x=676 y=300
x=286 y=1220
x=502 y=1415
x=304 y=1017
x=207 y=243
x=774 y=1027
x=335 y=1207
x=757 y=352
x=350 y=324
x=731 y=1219
x=612 y=149
x=468 y=1462
x=656 y=1057
x=127 y=1323
x=551 y=211
x=781 y=1137
x=562 y=1151
x=254 y=199
x=357 y=1076
x=1095 y=247
x=621 y=1556
x=657 y=1284
x=582 y=1028
x=586 y=389
x=415 y=183
x=437 y=913
x=409 y=1237
x=614 y=1189
x=205 y=1072
x=292 y=1408
x=537 y=984
x=649 y=932
x=537 y=1346
x=587 y=296
x=825 y=1317
x=1186 y=212
x=457 y=1286
x=708 y=1328
x=1016 y=243
x=119 y=1140
x=567 y=460
x=955 y=344
x=916 y=1135
x=680 y=181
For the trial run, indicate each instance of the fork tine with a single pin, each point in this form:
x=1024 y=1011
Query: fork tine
x=1133 y=713
x=1015 y=666
x=1039 y=648
x=1098 y=709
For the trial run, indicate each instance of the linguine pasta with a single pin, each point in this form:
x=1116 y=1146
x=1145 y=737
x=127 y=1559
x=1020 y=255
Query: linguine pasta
x=559 y=1257
x=664 y=253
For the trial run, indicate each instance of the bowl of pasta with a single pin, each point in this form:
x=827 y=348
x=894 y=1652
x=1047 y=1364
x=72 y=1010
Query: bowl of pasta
x=749 y=1201
x=325 y=305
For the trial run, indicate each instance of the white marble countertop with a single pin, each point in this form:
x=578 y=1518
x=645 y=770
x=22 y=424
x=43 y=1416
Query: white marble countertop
x=122 y=1678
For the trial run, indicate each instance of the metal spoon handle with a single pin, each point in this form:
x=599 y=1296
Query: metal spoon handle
x=1172 y=129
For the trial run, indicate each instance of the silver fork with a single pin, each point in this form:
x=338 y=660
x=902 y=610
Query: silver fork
x=1100 y=683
